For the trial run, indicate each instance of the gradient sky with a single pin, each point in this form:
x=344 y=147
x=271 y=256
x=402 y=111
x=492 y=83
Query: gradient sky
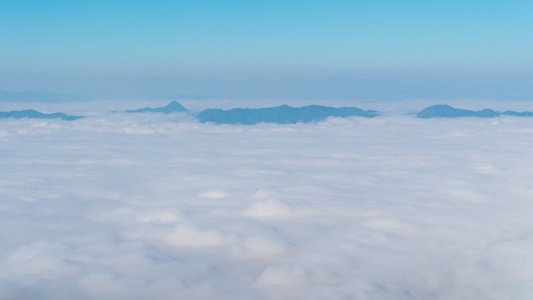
x=261 y=39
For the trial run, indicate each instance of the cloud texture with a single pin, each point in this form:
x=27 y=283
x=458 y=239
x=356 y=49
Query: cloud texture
x=138 y=207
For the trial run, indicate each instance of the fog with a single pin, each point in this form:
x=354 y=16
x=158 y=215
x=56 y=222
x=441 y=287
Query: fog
x=127 y=206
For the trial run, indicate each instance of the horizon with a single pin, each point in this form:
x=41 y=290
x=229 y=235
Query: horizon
x=385 y=50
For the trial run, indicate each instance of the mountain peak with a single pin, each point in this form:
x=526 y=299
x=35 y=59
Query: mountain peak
x=173 y=106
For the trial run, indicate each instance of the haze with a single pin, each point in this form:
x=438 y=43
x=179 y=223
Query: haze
x=364 y=50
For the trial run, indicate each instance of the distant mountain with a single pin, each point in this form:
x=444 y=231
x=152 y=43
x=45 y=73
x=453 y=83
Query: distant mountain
x=33 y=114
x=281 y=114
x=446 y=111
x=170 y=108
x=29 y=96
x=518 y=114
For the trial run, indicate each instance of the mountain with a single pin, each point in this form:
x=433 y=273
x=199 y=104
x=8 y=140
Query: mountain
x=33 y=114
x=281 y=114
x=446 y=111
x=170 y=108
x=518 y=114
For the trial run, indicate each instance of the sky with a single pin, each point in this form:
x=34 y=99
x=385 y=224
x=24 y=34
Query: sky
x=91 y=47
x=141 y=206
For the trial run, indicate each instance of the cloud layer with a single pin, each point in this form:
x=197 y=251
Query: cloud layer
x=137 y=207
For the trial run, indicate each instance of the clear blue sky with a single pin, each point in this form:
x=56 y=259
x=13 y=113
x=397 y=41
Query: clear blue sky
x=267 y=39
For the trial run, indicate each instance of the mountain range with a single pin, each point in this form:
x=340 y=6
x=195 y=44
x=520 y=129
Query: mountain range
x=281 y=114
x=33 y=114
x=446 y=111
x=173 y=106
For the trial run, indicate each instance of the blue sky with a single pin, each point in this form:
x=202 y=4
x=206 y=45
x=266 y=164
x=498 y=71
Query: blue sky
x=114 y=40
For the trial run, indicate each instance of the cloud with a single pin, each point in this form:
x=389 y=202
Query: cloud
x=213 y=194
x=117 y=206
x=180 y=235
x=268 y=208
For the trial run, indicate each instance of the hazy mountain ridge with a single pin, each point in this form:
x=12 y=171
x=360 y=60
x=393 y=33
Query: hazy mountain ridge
x=446 y=111
x=173 y=106
x=281 y=114
x=33 y=114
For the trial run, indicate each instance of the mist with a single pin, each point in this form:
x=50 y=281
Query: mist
x=128 y=206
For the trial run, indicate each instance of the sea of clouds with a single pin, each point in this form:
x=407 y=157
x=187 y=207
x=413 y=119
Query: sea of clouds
x=128 y=206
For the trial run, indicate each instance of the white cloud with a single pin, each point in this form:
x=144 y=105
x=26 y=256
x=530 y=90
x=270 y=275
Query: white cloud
x=117 y=206
x=213 y=194
x=180 y=235
x=268 y=208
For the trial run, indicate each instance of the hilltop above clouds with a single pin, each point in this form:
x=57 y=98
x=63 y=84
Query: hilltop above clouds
x=446 y=111
x=281 y=114
x=33 y=114
x=173 y=106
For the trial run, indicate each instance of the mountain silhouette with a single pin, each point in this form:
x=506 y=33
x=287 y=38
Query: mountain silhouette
x=446 y=111
x=170 y=108
x=33 y=114
x=281 y=114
